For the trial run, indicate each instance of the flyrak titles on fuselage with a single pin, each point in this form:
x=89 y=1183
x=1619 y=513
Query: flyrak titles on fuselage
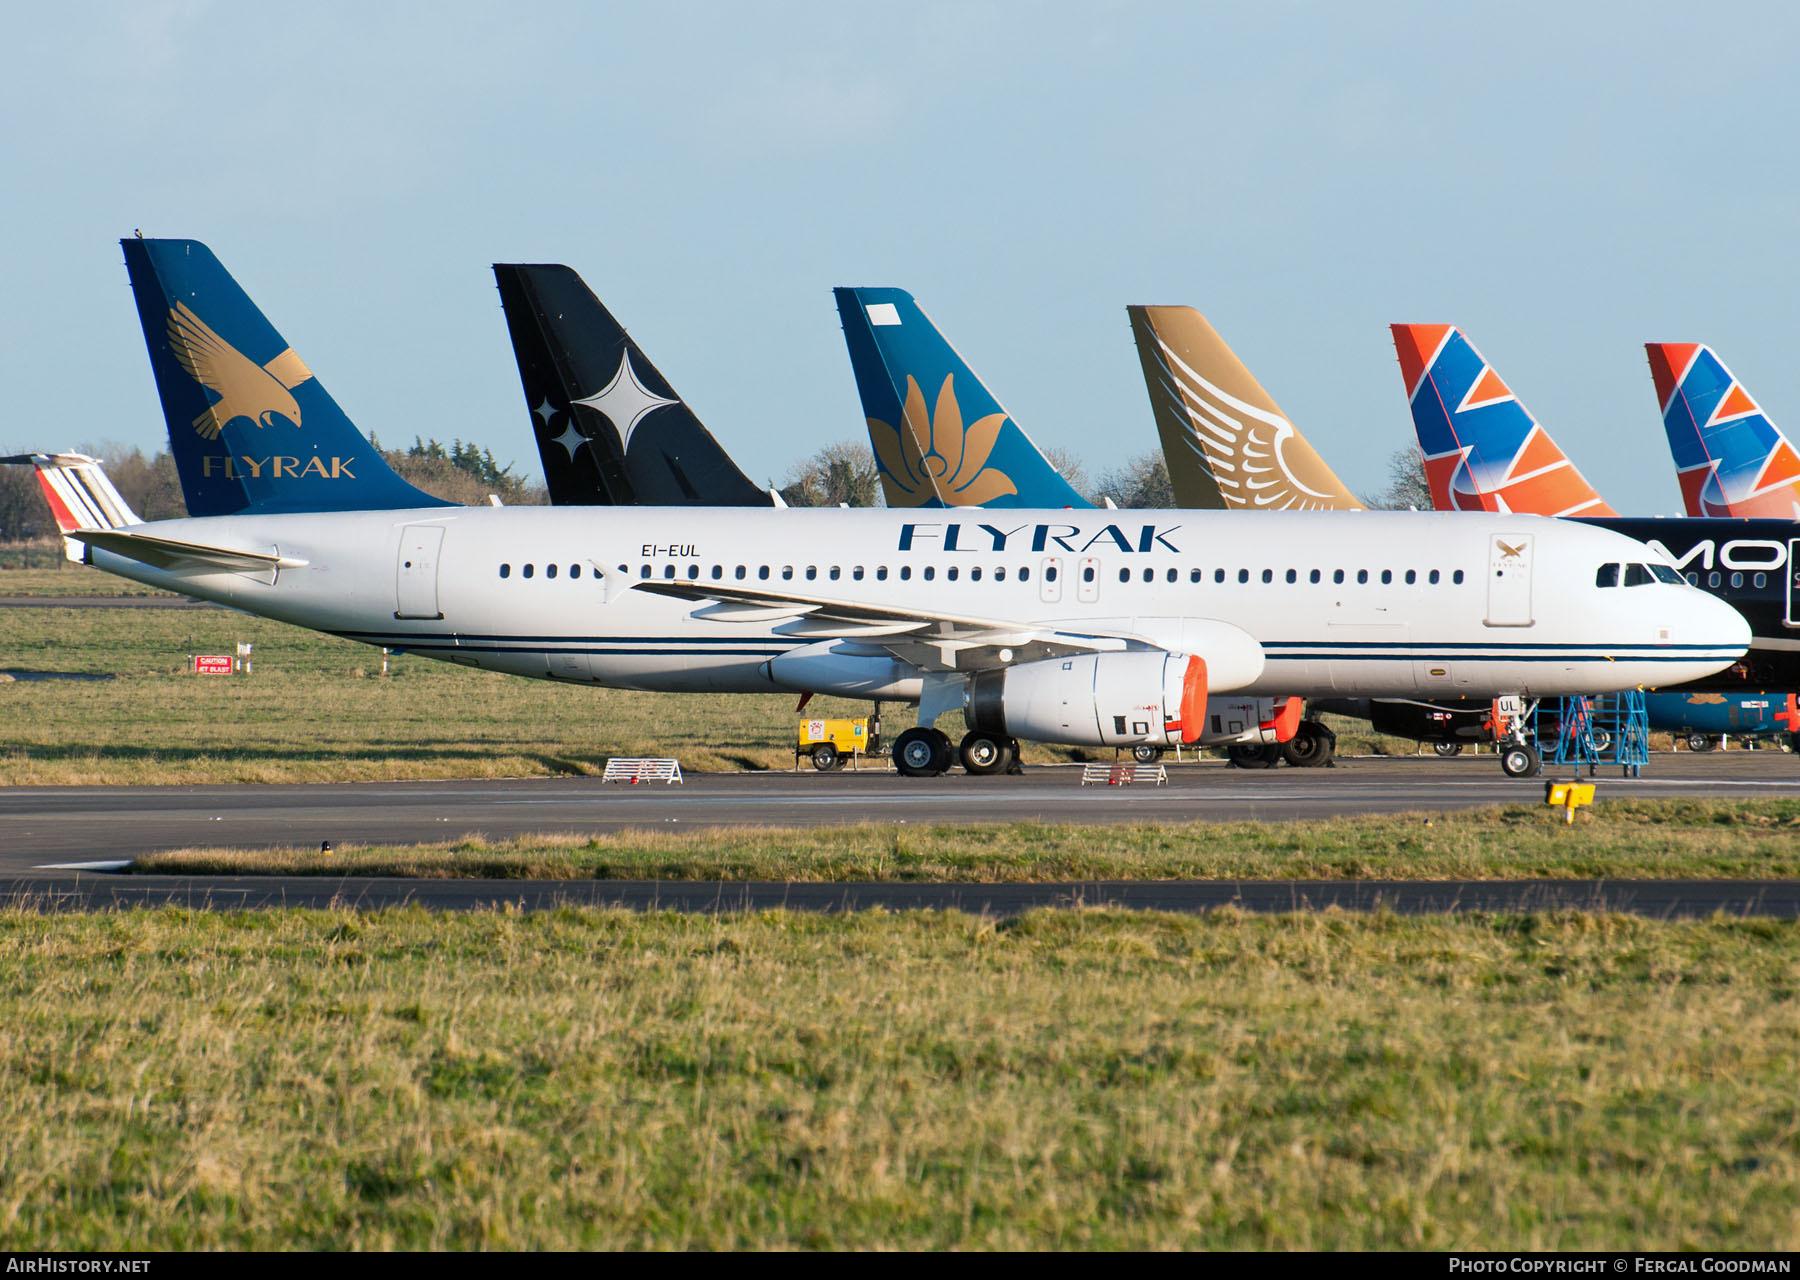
x=959 y=536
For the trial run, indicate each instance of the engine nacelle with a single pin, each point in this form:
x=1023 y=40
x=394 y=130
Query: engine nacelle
x=847 y=669
x=1115 y=699
x=1251 y=721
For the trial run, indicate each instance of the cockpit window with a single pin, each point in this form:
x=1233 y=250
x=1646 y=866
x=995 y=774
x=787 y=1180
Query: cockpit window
x=1637 y=575
x=1665 y=574
x=1608 y=576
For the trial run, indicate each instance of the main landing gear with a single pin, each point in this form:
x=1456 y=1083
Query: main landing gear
x=1517 y=760
x=925 y=753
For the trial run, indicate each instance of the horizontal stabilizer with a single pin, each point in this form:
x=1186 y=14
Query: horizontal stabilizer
x=166 y=553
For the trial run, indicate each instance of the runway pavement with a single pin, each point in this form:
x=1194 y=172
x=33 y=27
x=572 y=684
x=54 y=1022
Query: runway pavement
x=45 y=826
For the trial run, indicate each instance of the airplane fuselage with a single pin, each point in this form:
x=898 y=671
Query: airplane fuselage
x=1371 y=603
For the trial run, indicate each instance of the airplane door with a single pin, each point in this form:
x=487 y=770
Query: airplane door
x=416 y=580
x=1793 y=581
x=1087 y=584
x=1050 y=580
x=1509 y=580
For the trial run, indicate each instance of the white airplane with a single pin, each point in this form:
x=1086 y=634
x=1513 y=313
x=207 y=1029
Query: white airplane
x=1095 y=628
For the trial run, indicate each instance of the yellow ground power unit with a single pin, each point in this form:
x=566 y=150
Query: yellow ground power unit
x=831 y=742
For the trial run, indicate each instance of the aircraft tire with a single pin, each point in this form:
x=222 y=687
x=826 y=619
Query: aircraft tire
x=1144 y=753
x=1700 y=742
x=1521 y=761
x=921 y=753
x=1446 y=750
x=1244 y=756
x=1311 y=747
x=982 y=754
x=825 y=758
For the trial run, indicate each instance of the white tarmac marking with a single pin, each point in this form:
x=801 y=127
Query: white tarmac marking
x=110 y=864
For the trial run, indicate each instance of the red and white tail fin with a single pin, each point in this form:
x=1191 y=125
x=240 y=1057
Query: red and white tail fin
x=80 y=495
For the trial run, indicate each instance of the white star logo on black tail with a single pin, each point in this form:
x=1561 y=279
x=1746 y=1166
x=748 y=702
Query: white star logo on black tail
x=546 y=411
x=571 y=439
x=625 y=401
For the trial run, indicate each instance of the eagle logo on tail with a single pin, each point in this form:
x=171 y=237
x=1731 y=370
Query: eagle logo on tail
x=244 y=388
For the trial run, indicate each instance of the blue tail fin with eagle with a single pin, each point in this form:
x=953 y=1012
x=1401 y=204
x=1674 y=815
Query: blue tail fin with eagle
x=250 y=427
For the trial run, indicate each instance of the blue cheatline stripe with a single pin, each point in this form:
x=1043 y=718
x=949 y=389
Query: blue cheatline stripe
x=561 y=639
x=1594 y=659
x=1492 y=644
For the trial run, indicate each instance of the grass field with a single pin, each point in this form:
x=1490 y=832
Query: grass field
x=1625 y=839
x=181 y=1080
x=60 y=577
x=318 y=709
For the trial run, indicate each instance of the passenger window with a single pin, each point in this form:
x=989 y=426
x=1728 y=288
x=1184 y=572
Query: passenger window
x=1149 y=575
x=975 y=574
x=693 y=571
x=1608 y=576
x=812 y=572
x=643 y=571
x=1337 y=576
x=1173 y=575
x=1243 y=575
x=1456 y=578
x=905 y=572
x=1049 y=574
x=835 y=573
x=668 y=571
x=787 y=573
x=930 y=572
x=1218 y=575
x=739 y=573
x=1387 y=577
x=1411 y=577
x=1433 y=578
x=506 y=571
x=762 y=573
x=1268 y=575
x=1712 y=579
x=1693 y=579
x=1760 y=580
x=856 y=574
x=574 y=571
x=1737 y=579
x=528 y=569
x=549 y=571
x=1313 y=576
x=950 y=573
x=1292 y=576
x=1194 y=576
x=881 y=573
x=1087 y=573
x=1362 y=575
x=1124 y=575
x=1025 y=575
x=1000 y=574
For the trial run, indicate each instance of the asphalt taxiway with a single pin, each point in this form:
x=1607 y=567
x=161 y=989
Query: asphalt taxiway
x=50 y=832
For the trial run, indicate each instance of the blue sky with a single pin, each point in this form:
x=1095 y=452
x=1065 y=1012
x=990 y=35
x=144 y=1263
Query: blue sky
x=1566 y=181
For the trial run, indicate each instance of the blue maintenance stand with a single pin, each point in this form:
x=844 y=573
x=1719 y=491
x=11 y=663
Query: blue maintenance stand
x=1612 y=728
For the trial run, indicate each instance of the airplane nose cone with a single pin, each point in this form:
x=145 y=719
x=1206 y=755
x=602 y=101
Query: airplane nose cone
x=1727 y=625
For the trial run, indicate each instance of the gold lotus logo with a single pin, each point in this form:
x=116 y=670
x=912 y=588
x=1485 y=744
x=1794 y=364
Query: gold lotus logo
x=245 y=389
x=935 y=456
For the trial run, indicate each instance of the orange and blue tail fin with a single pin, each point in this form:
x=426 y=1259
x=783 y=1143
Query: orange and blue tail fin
x=1731 y=459
x=1483 y=449
x=250 y=427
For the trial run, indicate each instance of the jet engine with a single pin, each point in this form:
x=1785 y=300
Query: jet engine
x=1117 y=700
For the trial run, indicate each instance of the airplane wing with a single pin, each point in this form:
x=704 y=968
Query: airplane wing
x=166 y=553
x=928 y=638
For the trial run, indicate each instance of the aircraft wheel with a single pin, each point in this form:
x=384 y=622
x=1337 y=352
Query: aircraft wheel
x=1600 y=740
x=825 y=757
x=1144 y=753
x=921 y=753
x=1700 y=742
x=1244 y=756
x=1446 y=750
x=1521 y=761
x=1311 y=747
x=982 y=754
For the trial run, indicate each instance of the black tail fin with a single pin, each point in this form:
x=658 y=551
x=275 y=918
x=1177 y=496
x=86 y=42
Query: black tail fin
x=610 y=429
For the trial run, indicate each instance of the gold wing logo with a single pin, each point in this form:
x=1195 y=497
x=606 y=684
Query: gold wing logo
x=934 y=456
x=1508 y=552
x=244 y=388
